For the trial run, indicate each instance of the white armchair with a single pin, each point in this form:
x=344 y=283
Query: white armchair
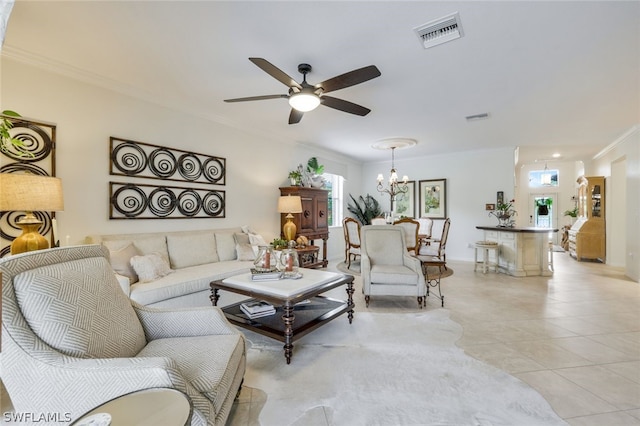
x=72 y=340
x=386 y=266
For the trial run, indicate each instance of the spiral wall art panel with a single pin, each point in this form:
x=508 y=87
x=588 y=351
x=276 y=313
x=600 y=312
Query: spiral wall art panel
x=144 y=160
x=141 y=201
x=38 y=158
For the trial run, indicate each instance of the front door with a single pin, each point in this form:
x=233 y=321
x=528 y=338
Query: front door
x=541 y=217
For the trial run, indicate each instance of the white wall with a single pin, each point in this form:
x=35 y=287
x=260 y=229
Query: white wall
x=625 y=149
x=473 y=179
x=86 y=116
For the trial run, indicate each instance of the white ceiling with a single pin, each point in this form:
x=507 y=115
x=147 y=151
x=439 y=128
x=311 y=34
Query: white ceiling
x=553 y=76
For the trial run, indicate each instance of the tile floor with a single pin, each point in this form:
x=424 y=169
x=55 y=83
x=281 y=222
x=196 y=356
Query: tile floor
x=574 y=337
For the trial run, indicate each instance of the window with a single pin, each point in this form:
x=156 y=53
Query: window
x=335 y=184
x=543 y=178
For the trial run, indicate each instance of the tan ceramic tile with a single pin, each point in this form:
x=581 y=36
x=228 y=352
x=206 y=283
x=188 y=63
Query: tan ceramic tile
x=566 y=398
x=613 y=388
x=618 y=418
x=630 y=370
x=591 y=350
x=503 y=358
x=628 y=343
x=548 y=354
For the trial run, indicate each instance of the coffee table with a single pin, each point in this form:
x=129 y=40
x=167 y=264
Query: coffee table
x=292 y=319
x=146 y=407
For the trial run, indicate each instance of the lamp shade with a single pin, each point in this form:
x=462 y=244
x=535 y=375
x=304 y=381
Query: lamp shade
x=28 y=192
x=290 y=204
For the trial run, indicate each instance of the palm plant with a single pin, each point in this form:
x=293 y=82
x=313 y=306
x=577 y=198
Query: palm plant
x=364 y=209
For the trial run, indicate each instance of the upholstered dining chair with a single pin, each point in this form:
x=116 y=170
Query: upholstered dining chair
x=72 y=340
x=425 y=229
x=437 y=248
x=379 y=221
x=411 y=228
x=351 y=228
x=387 y=268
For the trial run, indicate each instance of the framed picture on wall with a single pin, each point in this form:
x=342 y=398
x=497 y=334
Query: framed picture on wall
x=433 y=198
x=405 y=203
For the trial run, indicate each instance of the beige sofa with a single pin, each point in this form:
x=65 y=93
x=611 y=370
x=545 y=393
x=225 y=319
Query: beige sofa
x=195 y=258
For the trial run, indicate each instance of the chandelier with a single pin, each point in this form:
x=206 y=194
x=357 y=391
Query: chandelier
x=395 y=187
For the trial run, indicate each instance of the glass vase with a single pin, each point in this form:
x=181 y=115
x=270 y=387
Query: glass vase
x=289 y=262
x=266 y=259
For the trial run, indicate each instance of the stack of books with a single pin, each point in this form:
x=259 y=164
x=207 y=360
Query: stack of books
x=266 y=275
x=257 y=309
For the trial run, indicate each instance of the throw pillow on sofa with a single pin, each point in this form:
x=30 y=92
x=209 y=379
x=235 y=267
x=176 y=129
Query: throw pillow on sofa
x=150 y=267
x=226 y=246
x=244 y=251
x=121 y=261
x=191 y=249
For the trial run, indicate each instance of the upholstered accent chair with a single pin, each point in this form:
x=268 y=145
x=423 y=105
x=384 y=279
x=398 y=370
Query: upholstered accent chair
x=386 y=266
x=72 y=340
x=411 y=228
x=351 y=228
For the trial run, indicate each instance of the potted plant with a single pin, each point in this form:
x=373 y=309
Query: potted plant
x=505 y=212
x=543 y=206
x=370 y=208
x=9 y=144
x=316 y=170
x=295 y=177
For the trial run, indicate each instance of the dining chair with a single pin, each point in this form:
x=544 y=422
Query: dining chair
x=425 y=229
x=437 y=248
x=378 y=221
x=410 y=228
x=351 y=228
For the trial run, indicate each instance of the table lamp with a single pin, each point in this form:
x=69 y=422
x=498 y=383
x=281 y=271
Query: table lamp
x=289 y=204
x=29 y=193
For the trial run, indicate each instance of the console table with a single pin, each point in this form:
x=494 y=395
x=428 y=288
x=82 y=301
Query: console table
x=522 y=252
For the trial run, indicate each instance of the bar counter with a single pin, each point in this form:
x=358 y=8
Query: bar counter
x=522 y=252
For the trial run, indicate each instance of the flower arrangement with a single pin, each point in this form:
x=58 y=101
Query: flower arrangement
x=505 y=212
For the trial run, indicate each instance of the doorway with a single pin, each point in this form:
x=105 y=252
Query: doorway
x=544 y=217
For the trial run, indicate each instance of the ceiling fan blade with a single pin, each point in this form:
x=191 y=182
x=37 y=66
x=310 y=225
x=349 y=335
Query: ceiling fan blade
x=342 y=105
x=295 y=116
x=275 y=72
x=350 y=78
x=256 y=98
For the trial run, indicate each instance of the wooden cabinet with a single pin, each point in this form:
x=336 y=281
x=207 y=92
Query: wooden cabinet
x=313 y=222
x=587 y=237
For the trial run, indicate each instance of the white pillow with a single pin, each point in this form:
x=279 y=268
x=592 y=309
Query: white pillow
x=226 y=246
x=257 y=240
x=121 y=261
x=191 y=249
x=150 y=267
x=245 y=252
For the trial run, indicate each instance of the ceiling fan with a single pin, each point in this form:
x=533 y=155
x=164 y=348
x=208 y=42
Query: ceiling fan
x=304 y=97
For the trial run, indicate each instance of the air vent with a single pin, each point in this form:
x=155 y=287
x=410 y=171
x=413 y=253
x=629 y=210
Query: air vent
x=439 y=31
x=477 y=117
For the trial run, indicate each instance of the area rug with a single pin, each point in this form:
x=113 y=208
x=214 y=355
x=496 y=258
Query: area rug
x=388 y=369
x=354 y=269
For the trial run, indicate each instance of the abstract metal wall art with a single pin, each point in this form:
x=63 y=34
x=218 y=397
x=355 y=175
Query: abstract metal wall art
x=130 y=158
x=39 y=141
x=140 y=201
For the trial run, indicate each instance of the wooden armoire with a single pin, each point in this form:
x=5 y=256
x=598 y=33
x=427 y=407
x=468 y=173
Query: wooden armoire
x=313 y=222
x=587 y=239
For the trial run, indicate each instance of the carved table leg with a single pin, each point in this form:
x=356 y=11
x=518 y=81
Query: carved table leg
x=214 y=296
x=350 y=301
x=288 y=318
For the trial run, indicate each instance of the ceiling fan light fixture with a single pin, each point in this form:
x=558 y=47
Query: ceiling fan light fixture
x=304 y=102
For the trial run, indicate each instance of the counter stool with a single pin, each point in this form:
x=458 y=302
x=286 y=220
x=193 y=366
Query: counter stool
x=485 y=247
